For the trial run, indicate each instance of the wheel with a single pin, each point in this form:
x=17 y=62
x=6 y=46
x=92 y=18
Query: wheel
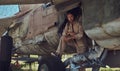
x=50 y=64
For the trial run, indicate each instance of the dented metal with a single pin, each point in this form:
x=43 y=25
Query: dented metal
x=34 y=28
x=101 y=22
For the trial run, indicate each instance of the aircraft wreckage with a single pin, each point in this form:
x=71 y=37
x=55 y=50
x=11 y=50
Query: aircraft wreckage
x=35 y=28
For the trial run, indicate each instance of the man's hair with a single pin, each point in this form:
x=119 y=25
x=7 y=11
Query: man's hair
x=76 y=12
x=69 y=12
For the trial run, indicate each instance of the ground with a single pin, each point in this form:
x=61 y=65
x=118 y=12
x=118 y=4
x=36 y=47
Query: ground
x=25 y=66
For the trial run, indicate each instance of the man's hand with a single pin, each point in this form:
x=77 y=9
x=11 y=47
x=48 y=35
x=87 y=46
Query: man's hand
x=71 y=34
x=68 y=38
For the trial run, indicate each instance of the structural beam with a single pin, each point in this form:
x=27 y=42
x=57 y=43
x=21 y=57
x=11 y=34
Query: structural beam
x=6 y=2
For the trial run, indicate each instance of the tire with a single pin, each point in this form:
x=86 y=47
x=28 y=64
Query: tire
x=51 y=64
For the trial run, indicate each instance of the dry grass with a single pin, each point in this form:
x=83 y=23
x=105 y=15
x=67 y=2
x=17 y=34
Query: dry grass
x=35 y=67
x=105 y=69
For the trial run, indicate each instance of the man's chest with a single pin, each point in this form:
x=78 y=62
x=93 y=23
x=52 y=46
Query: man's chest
x=73 y=28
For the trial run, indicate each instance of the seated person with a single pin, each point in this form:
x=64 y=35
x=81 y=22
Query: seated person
x=72 y=35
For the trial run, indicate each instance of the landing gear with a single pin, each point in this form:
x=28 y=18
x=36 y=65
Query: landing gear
x=102 y=58
x=87 y=60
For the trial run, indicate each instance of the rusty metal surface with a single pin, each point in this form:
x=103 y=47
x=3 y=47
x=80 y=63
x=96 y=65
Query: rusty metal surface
x=32 y=35
x=32 y=31
x=4 y=24
x=41 y=19
x=42 y=47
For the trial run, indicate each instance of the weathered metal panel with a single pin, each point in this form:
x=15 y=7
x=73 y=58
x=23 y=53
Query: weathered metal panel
x=4 y=24
x=98 y=12
x=39 y=20
x=26 y=7
x=46 y=43
x=101 y=22
x=3 y=2
x=111 y=43
x=67 y=5
x=36 y=33
x=23 y=1
x=59 y=1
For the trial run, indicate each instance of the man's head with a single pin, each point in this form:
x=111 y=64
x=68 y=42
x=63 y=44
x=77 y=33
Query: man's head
x=70 y=17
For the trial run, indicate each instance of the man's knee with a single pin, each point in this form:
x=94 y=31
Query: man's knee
x=62 y=38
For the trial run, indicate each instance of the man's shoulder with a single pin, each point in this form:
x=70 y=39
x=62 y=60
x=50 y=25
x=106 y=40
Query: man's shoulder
x=78 y=23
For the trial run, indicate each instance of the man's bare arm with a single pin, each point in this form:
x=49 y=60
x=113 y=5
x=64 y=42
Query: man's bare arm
x=79 y=35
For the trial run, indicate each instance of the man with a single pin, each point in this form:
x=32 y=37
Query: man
x=72 y=36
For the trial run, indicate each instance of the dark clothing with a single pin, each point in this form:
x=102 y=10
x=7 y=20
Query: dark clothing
x=6 y=44
x=4 y=66
x=6 y=48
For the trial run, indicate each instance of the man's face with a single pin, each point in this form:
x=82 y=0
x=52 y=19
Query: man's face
x=70 y=17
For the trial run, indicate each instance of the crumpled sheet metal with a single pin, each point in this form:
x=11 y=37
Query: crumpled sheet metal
x=4 y=24
x=40 y=21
